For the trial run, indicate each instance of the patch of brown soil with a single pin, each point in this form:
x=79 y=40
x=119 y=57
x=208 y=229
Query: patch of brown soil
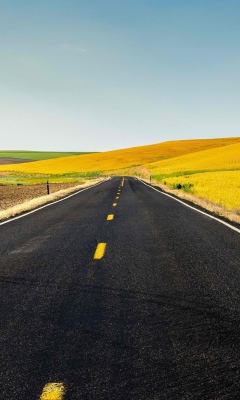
x=4 y=173
x=8 y=160
x=132 y=171
x=13 y=195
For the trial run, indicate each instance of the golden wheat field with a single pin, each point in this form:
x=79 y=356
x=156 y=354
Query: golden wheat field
x=221 y=158
x=220 y=187
x=117 y=159
x=212 y=174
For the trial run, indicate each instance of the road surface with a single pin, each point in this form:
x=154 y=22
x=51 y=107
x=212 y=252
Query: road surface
x=119 y=292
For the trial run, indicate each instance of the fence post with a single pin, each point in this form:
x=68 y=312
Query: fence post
x=48 y=191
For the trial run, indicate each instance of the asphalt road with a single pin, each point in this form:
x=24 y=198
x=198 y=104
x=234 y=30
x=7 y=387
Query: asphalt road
x=154 y=316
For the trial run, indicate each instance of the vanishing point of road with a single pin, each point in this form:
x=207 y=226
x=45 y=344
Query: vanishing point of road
x=119 y=292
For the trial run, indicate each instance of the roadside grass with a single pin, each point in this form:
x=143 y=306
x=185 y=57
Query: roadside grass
x=205 y=203
x=37 y=155
x=20 y=178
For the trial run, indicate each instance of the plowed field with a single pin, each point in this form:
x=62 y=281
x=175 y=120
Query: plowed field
x=8 y=160
x=11 y=195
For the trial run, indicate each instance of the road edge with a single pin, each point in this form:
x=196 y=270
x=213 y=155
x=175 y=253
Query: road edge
x=38 y=203
x=230 y=224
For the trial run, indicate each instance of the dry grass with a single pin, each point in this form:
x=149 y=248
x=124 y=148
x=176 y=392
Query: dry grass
x=206 y=204
x=133 y=171
x=39 y=201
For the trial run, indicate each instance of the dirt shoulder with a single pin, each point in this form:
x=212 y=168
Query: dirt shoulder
x=15 y=200
x=214 y=209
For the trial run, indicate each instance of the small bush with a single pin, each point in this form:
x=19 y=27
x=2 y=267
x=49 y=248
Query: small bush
x=187 y=187
x=177 y=186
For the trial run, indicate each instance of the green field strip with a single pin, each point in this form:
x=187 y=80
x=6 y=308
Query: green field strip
x=38 y=155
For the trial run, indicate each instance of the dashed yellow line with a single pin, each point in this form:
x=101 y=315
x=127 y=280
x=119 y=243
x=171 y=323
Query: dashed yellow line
x=53 y=391
x=117 y=197
x=114 y=204
x=100 y=250
x=110 y=217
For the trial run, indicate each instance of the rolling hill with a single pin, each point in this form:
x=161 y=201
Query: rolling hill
x=125 y=158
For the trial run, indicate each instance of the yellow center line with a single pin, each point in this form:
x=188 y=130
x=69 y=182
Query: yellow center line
x=53 y=391
x=110 y=217
x=100 y=250
x=114 y=204
x=117 y=197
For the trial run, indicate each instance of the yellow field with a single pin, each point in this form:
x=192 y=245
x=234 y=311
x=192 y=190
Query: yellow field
x=221 y=158
x=126 y=158
x=221 y=185
x=221 y=188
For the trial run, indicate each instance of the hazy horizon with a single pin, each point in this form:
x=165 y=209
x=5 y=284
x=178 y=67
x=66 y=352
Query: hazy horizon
x=122 y=148
x=97 y=76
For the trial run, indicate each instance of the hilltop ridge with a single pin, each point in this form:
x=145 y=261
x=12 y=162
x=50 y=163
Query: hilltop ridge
x=123 y=158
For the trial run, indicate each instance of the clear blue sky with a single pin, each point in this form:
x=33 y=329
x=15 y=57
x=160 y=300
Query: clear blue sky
x=80 y=75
